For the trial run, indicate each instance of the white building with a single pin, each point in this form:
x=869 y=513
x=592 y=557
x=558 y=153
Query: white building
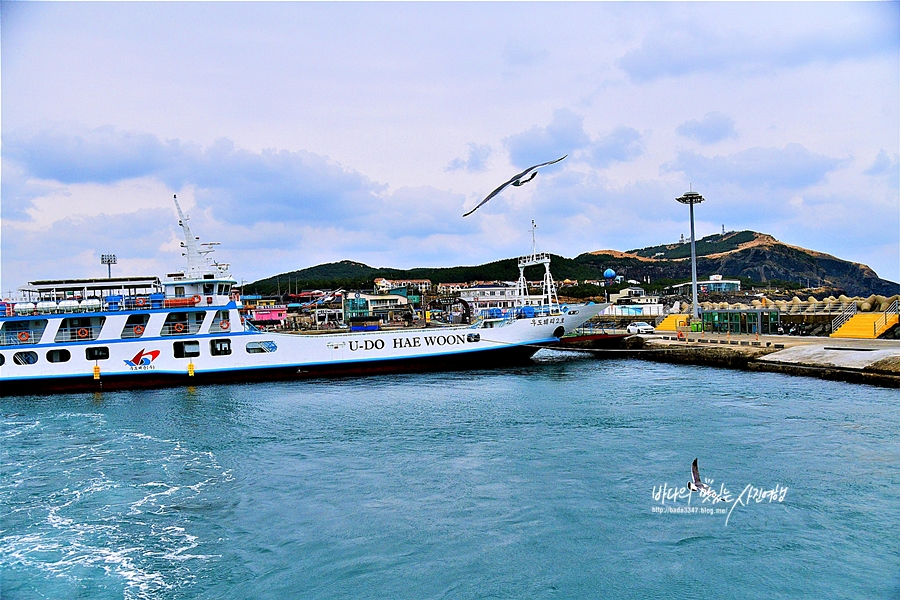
x=386 y=306
x=450 y=288
x=497 y=295
x=385 y=285
x=489 y=295
x=633 y=295
x=715 y=284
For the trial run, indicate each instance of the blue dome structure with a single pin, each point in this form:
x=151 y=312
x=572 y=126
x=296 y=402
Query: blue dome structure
x=609 y=273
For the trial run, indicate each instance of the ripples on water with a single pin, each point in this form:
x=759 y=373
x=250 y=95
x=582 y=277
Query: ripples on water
x=526 y=482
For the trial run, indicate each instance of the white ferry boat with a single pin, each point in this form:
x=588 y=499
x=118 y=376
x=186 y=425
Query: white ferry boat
x=187 y=329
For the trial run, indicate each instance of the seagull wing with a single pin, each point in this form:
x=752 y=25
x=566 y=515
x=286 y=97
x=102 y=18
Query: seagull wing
x=695 y=473
x=514 y=178
x=492 y=194
x=519 y=182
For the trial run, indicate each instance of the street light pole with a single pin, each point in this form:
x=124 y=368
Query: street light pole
x=691 y=198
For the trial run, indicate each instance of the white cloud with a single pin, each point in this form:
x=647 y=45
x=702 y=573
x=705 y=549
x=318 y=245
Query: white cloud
x=476 y=161
x=713 y=127
x=314 y=132
x=791 y=167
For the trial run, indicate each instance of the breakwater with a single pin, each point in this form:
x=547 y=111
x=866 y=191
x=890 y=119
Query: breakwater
x=874 y=362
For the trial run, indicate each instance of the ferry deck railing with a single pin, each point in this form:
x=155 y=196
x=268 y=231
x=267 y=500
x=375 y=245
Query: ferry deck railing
x=92 y=304
x=180 y=328
x=21 y=337
x=78 y=333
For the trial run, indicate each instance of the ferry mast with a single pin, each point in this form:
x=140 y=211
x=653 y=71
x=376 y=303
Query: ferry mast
x=548 y=286
x=197 y=254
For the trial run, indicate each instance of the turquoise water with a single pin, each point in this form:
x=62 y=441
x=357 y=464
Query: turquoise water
x=530 y=482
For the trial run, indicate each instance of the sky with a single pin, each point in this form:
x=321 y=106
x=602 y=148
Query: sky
x=303 y=133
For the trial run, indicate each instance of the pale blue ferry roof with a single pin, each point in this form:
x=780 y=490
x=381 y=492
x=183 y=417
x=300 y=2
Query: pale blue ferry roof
x=60 y=288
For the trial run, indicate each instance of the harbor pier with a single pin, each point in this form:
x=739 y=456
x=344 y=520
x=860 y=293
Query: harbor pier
x=874 y=362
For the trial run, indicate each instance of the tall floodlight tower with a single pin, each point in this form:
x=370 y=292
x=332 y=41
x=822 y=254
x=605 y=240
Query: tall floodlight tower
x=691 y=198
x=108 y=260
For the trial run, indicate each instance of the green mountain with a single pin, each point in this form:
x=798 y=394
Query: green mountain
x=755 y=258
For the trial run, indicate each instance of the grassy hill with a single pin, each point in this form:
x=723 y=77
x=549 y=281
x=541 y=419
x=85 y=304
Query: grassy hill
x=755 y=258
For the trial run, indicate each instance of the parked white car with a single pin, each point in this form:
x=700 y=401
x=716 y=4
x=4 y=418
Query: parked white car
x=639 y=327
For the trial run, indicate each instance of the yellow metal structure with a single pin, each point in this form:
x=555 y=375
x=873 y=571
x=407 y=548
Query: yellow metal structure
x=865 y=326
x=673 y=322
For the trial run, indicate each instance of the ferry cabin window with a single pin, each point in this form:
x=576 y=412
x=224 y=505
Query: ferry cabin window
x=209 y=288
x=25 y=358
x=58 y=356
x=2 y=360
x=96 y=353
x=135 y=326
x=220 y=347
x=179 y=291
x=186 y=349
x=182 y=323
x=22 y=332
x=220 y=323
x=79 y=329
x=260 y=347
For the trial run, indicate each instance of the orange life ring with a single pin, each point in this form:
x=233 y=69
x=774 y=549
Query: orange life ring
x=196 y=298
x=179 y=327
x=83 y=332
x=24 y=336
x=138 y=329
x=140 y=301
x=224 y=324
x=680 y=335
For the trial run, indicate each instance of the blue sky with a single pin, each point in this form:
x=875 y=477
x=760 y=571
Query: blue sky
x=303 y=133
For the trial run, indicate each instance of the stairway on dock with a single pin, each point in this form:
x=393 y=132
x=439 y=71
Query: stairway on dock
x=865 y=326
x=673 y=321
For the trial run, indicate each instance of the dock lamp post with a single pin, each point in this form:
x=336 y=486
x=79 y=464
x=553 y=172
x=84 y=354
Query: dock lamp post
x=108 y=260
x=691 y=198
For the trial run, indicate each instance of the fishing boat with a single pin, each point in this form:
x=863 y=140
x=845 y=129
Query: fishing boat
x=188 y=328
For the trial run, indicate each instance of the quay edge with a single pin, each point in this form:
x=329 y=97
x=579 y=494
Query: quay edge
x=873 y=362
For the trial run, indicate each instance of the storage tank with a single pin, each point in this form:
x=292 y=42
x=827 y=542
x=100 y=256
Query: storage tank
x=114 y=302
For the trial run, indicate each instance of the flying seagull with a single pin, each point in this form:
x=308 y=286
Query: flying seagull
x=516 y=181
x=696 y=484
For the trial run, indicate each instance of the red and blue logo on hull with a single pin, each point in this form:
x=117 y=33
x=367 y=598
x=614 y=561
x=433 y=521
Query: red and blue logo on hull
x=142 y=358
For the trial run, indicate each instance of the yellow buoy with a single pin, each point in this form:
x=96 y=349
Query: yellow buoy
x=96 y=371
x=190 y=369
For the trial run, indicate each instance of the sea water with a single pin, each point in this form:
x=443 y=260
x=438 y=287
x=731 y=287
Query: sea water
x=562 y=479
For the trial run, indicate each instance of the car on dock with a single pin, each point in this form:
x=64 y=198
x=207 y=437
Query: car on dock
x=639 y=327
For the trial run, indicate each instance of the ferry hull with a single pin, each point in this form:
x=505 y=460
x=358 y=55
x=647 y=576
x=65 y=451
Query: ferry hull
x=173 y=357
x=492 y=358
